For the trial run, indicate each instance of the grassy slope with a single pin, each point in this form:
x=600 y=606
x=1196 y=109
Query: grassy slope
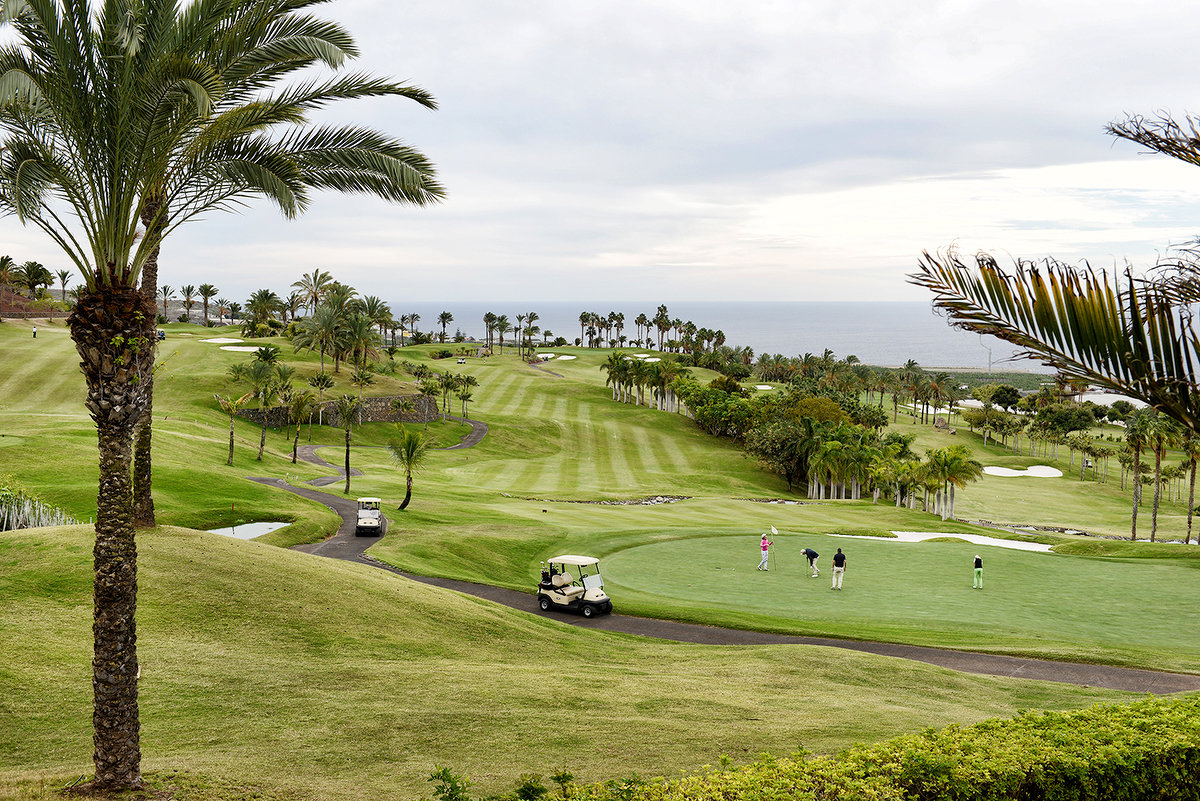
x=339 y=681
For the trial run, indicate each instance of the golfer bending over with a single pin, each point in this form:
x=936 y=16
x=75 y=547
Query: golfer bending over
x=839 y=569
x=811 y=556
x=765 y=545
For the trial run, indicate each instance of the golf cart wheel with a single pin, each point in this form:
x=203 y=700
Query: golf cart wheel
x=587 y=610
x=544 y=603
x=608 y=607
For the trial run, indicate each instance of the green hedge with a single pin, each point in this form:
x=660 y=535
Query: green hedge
x=1143 y=750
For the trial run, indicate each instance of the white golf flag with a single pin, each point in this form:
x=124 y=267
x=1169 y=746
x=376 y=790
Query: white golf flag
x=774 y=533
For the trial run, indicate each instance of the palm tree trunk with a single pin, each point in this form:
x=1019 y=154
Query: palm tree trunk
x=230 y=462
x=109 y=332
x=262 y=442
x=1157 y=492
x=407 y=491
x=1137 y=491
x=1191 y=502
x=296 y=442
x=143 y=500
x=346 y=491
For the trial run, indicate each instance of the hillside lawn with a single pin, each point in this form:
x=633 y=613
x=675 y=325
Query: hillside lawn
x=271 y=668
x=330 y=678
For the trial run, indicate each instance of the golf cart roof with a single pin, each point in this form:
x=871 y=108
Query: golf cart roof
x=568 y=559
x=369 y=500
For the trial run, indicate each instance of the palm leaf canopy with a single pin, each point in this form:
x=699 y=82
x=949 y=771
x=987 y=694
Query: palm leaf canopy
x=1120 y=333
x=146 y=105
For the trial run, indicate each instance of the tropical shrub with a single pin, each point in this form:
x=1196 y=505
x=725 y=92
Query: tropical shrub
x=1148 y=749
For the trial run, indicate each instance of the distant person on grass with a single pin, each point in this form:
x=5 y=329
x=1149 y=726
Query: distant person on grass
x=35 y=332
x=839 y=569
x=978 y=583
x=765 y=547
x=811 y=556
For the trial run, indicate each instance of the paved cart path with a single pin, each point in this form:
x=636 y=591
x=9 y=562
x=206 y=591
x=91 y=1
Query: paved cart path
x=344 y=545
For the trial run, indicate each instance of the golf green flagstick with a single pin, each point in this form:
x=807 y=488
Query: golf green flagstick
x=774 y=533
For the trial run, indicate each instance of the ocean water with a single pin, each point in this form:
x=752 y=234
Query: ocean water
x=878 y=333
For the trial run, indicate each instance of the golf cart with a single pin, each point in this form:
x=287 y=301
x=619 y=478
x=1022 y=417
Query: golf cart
x=574 y=583
x=371 y=522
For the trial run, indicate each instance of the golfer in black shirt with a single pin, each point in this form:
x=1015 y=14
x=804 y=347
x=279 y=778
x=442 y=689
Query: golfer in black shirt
x=811 y=556
x=839 y=569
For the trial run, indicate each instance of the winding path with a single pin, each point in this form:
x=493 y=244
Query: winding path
x=346 y=546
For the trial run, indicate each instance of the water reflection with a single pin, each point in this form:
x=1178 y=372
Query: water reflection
x=248 y=531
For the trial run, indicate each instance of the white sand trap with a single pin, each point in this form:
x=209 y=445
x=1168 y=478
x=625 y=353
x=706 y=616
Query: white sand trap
x=1037 y=471
x=546 y=356
x=763 y=386
x=565 y=358
x=223 y=341
x=653 y=359
x=974 y=539
x=240 y=348
x=641 y=355
x=184 y=334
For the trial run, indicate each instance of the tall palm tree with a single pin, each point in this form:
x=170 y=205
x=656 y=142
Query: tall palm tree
x=1163 y=434
x=63 y=277
x=321 y=331
x=167 y=293
x=361 y=341
x=489 y=326
x=291 y=305
x=322 y=382
x=125 y=113
x=231 y=404
x=503 y=326
x=408 y=452
x=348 y=408
x=313 y=287
x=262 y=305
x=444 y=319
x=222 y=308
x=301 y=406
x=188 y=292
x=429 y=390
x=207 y=293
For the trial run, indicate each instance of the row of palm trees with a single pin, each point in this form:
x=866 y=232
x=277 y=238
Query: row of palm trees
x=630 y=378
x=596 y=329
x=525 y=331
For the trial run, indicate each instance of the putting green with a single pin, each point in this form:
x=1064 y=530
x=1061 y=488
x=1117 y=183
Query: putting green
x=921 y=592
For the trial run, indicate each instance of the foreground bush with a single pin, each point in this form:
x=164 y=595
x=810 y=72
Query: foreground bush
x=1144 y=750
x=1149 y=749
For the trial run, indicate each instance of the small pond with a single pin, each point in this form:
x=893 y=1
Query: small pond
x=248 y=531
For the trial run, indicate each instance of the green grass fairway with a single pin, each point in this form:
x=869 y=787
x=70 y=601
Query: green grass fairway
x=269 y=668
x=1033 y=603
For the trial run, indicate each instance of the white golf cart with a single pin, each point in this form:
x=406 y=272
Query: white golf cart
x=574 y=583
x=371 y=522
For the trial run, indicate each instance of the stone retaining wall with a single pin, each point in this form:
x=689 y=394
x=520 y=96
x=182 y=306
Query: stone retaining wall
x=374 y=410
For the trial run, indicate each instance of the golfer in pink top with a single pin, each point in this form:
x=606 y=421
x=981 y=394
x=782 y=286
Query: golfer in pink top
x=765 y=545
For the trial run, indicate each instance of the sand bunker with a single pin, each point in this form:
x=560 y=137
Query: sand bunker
x=974 y=539
x=565 y=358
x=546 y=356
x=763 y=386
x=240 y=348
x=1037 y=471
x=222 y=340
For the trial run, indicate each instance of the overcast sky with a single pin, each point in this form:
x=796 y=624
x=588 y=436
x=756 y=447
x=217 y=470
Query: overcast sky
x=702 y=150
